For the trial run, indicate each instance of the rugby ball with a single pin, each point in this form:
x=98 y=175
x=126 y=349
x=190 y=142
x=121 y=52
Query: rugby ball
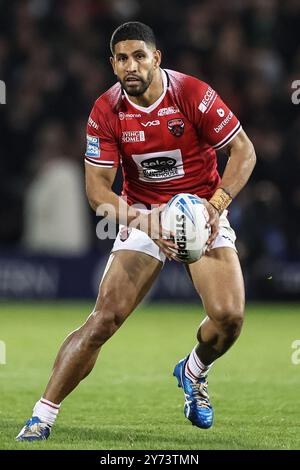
x=186 y=217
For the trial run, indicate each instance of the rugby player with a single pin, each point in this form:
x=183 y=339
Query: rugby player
x=163 y=127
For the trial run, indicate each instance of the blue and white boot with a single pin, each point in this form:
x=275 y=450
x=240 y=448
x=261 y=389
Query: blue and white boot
x=197 y=407
x=34 y=430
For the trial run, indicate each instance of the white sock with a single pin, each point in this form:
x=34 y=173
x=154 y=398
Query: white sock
x=195 y=368
x=46 y=411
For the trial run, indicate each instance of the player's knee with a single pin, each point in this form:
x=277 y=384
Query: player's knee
x=229 y=318
x=106 y=320
x=103 y=325
x=232 y=323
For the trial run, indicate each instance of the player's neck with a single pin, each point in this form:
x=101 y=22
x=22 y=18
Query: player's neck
x=153 y=92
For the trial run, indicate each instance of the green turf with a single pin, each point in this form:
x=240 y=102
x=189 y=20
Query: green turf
x=131 y=401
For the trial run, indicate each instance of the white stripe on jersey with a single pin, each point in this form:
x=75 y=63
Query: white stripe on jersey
x=99 y=164
x=229 y=137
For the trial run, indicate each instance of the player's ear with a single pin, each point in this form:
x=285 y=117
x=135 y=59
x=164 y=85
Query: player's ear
x=112 y=61
x=157 y=58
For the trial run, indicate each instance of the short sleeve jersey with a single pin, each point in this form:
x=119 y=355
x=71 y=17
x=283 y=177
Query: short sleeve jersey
x=166 y=148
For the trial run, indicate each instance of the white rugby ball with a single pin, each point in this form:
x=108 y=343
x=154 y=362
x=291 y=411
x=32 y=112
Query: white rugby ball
x=186 y=217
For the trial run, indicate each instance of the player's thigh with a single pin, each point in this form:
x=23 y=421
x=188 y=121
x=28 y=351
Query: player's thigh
x=218 y=279
x=126 y=280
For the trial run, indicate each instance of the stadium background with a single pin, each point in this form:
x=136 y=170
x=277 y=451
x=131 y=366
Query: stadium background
x=54 y=62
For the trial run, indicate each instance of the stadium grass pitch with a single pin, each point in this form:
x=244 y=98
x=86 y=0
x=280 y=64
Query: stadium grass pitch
x=131 y=399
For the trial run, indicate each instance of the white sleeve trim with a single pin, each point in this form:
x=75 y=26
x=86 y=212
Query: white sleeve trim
x=229 y=137
x=107 y=165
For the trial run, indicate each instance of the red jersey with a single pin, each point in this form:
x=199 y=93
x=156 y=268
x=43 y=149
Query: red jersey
x=166 y=148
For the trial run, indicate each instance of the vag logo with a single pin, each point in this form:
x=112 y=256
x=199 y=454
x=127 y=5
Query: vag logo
x=151 y=123
x=2 y=92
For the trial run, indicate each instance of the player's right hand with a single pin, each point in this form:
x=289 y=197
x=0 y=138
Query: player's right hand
x=214 y=221
x=150 y=224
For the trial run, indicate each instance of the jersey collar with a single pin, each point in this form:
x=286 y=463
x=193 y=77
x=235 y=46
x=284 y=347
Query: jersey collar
x=154 y=105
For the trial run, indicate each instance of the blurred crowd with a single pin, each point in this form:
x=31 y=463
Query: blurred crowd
x=54 y=59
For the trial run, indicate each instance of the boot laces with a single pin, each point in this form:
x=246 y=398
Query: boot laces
x=201 y=395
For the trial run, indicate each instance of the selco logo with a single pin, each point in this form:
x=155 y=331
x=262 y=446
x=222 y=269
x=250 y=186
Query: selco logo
x=158 y=163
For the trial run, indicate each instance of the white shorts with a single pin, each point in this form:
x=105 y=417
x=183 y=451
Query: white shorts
x=136 y=240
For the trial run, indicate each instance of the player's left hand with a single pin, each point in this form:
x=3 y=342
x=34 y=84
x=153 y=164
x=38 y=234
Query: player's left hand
x=214 y=219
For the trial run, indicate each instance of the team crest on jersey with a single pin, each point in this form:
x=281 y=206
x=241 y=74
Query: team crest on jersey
x=176 y=126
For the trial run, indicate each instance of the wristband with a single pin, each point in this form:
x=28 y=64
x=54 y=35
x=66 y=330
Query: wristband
x=220 y=200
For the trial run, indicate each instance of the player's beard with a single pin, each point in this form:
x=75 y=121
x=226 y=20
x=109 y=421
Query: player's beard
x=140 y=88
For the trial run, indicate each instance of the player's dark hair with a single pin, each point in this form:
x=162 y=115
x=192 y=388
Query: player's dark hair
x=132 y=30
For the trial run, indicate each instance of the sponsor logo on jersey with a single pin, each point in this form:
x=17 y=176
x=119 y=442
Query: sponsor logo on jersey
x=223 y=123
x=167 y=111
x=92 y=146
x=176 y=126
x=159 y=167
x=92 y=123
x=123 y=116
x=158 y=163
x=221 y=112
x=151 y=123
x=209 y=96
x=133 y=136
